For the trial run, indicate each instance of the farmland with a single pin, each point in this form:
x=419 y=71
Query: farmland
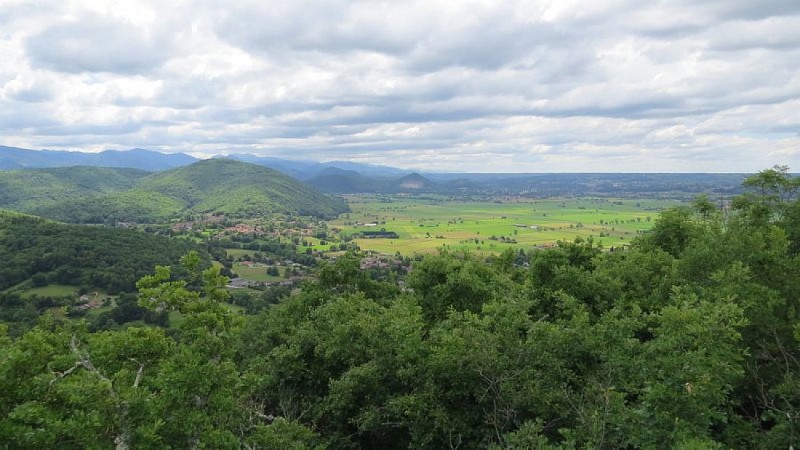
x=426 y=223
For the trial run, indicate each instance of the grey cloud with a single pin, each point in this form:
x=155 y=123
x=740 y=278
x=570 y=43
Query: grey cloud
x=556 y=85
x=492 y=43
x=96 y=44
x=115 y=129
x=328 y=26
x=21 y=117
x=749 y=10
x=33 y=94
x=772 y=33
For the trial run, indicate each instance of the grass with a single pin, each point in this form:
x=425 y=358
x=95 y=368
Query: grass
x=256 y=273
x=239 y=252
x=427 y=224
x=52 y=290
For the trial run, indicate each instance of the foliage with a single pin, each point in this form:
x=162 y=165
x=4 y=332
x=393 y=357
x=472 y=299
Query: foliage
x=107 y=258
x=217 y=186
x=689 y=339
x=35 y=189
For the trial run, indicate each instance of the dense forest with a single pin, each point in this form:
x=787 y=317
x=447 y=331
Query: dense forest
x=38 y=189
x=689 y=338
x=216 y=186
x=109 y=258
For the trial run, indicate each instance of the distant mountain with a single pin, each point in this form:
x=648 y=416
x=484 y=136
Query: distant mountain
x=295 y=169
x=370 y=170
x=33 y=189
x=415 y=182
x=340 y=181
x=20 y=158
x=217 y=186
x=348 y=177
x=305 y=170
x=137 y=158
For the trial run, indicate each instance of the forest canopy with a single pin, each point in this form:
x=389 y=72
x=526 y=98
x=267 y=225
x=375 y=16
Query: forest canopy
x=109 y=258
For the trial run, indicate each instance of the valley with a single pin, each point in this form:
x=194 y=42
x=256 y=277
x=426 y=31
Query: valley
x=430 y=225
x=426 y=224
x=650 y=296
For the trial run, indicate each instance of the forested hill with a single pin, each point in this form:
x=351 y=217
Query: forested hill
x=107 y=258
x=219 y=186
x=34 y=189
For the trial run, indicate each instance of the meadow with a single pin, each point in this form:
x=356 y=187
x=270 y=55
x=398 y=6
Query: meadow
x=256 y=272
x=52 y=290
x=425 y=224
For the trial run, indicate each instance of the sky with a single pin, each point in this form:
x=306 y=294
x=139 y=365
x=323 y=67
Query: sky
x=472 y=86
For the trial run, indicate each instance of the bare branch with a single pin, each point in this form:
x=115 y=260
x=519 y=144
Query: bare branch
x=62 y=375
x=138 y=375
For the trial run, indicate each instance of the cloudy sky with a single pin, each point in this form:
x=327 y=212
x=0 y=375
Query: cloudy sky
x=480 y=86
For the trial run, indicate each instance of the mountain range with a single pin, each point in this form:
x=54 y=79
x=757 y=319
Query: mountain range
x=20 y=158
x=342 y=177
x=109 y=195
x=305 y=170
x=137 y=158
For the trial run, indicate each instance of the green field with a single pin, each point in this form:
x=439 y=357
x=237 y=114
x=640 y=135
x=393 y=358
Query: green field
x=425 y=224
x=53 y=290
x=256 y=273
x=238 y=252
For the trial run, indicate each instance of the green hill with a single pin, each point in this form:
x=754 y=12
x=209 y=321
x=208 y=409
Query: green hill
x=219 y=186
x=108 y=258
x=34 y=189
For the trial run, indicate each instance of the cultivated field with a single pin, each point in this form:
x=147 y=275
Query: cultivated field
x=427 y=223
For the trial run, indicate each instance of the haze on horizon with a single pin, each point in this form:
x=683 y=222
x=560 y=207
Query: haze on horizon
x=473 y=86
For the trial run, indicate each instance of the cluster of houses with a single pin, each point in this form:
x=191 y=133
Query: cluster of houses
x=87 y=303
x=382 y=262
x=238 y=283
x=245 y=229
x=201 y=223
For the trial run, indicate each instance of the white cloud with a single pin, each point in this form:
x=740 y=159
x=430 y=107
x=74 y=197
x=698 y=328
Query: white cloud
x=476 y=85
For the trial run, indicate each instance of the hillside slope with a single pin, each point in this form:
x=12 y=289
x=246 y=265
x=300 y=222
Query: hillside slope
x=33 y=189
x=109 y=258
x=217 y=186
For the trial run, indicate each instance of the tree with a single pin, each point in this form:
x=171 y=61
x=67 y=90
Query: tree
x=449 y=282
x=672 y=231
x=770 y=193
x=39 y=280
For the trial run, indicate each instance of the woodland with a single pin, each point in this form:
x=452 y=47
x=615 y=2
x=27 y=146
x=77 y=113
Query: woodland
x=688 y=338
